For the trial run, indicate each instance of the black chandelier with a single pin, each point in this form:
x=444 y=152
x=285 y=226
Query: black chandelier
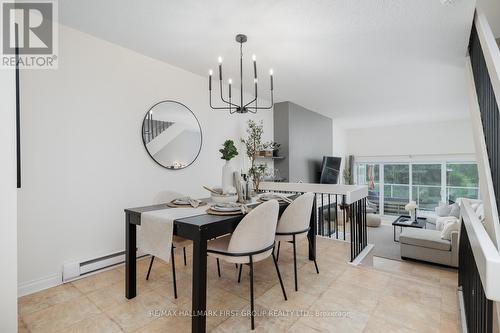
x=242 y=108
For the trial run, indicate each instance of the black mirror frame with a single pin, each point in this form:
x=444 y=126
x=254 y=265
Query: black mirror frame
x=144 y=143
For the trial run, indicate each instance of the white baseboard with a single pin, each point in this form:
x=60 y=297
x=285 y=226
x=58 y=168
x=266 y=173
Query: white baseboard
x=365 y=254
x=31 y=287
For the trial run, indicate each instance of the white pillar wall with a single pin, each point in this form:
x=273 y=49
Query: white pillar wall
x=8 y=203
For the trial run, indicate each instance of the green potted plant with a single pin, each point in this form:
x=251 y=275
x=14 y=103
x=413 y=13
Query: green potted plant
x=347 y=176
x=228 y=152
x=254 y=145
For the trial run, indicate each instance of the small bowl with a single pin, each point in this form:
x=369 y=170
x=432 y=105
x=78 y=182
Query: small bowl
x=224 y=198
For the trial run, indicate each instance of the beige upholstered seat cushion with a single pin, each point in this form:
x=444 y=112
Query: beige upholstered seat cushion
x=289 y=238
x=296 y=218
x=424 y=238
x=222 y=243
x=254 y=233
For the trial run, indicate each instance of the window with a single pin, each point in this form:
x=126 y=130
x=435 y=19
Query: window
x=396 y=188
x=392 y=185
x=462 y=181
x=426 y=185
x=369 y=174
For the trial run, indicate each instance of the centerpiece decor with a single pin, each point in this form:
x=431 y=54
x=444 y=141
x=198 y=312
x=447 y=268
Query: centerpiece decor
x=228 y=152
x=412 y=208
x=254 y=145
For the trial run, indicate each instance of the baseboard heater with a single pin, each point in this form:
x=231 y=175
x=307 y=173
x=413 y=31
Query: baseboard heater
x=76 y=270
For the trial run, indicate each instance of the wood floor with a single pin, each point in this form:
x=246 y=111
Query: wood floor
x=391 y=296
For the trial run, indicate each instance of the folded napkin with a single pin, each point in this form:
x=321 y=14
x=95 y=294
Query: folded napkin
x=193 y=202
x=244 y=209
x=285 y=199
x=155 y=232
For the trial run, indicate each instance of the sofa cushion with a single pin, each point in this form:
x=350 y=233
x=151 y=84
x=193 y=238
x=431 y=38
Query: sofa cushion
x=442 y=221
x=443 y=210
x=455 y=210
x=449 y=227
x=425 y=238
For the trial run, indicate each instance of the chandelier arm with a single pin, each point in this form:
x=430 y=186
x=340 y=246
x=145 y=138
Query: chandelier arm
x=222 y=98
x=266 y=107
x=216 y=107
x=253 y=100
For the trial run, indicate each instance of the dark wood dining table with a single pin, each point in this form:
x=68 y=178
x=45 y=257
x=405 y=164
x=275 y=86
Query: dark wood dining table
x=199 y=229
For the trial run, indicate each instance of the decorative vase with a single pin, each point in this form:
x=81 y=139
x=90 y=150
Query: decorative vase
x=227 y=177
x=413 y=214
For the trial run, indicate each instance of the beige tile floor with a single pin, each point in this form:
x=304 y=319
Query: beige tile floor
x=390 y=296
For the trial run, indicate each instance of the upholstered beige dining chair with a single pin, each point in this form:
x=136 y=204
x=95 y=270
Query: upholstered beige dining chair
x=293 y=226
x=251 y=241
x=177 y=242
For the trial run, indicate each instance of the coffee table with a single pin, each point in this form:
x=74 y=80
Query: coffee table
x=403 y=222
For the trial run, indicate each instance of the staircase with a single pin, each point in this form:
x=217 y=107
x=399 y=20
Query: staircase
x=152 y=128
x=479 y=266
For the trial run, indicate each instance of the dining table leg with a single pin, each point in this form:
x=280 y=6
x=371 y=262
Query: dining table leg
x=130 y=258
x=199 y=290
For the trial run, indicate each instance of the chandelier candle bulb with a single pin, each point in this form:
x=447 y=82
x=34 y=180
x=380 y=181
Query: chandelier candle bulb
x=229 y=82
x=271 y=76
x=210 y=72
x=254 y=66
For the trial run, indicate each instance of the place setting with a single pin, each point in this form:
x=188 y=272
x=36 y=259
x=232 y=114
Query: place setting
x=276 y=196
x=186 y=202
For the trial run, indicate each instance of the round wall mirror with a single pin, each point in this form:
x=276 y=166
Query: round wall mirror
x=171 y=135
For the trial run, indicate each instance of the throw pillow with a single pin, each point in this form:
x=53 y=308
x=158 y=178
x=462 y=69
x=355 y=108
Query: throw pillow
x=455 y=210
x=443 y=210
x=443 y=220
x=449 y=228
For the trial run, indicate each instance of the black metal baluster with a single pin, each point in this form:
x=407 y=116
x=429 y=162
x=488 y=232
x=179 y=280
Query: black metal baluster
x=329 y=217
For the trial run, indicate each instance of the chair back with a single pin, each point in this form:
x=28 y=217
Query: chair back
x=166 y=196
x=256 y=230
x=297 y=215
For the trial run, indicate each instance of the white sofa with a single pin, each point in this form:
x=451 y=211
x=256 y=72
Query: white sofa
x=429 y=245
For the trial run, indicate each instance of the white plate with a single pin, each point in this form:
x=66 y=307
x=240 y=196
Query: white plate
x=230 y=207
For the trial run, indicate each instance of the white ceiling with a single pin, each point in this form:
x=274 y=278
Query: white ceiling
x=363 y=62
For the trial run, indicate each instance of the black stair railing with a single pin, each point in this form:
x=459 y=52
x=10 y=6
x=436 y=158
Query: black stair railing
x=488 y=107
x=153 y=128
x=478 y=308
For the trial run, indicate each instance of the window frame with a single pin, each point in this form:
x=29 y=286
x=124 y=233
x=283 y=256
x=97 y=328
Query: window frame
x=381 y=165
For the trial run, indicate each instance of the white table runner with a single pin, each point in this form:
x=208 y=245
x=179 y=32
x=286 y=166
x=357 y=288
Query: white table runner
x=156 y=230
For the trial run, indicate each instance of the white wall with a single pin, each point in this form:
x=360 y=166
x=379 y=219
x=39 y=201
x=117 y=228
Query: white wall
x=339 y=140
x=437 y=138
x=83 y=157
x=8 y=202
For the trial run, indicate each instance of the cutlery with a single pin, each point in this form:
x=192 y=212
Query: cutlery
x=212 y=190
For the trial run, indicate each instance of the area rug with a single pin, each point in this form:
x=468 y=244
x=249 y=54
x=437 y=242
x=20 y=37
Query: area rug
x=383 y=239
x=385 y=246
